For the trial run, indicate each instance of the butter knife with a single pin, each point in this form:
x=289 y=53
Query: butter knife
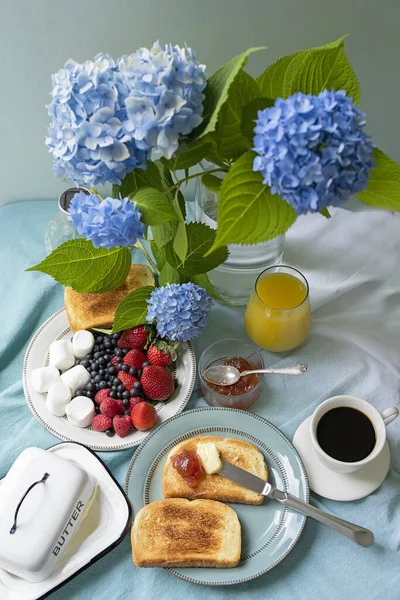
x=359 y=535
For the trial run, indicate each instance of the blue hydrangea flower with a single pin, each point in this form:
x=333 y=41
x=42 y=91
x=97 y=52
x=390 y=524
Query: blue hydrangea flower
x=179 y=311
x=312 y=150
x=86 y=136
x=108 y=223
x=163 y=99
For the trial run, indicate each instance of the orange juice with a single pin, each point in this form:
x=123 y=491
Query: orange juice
x=278 y=312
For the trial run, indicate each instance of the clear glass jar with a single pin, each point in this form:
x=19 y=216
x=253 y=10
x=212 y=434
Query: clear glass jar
x=217 y=353
x=234 y=279
x=60 y=229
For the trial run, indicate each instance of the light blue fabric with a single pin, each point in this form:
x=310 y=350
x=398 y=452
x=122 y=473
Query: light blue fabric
x=351 y=262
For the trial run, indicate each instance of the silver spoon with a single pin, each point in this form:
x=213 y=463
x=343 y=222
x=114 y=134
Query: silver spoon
x=228 y=375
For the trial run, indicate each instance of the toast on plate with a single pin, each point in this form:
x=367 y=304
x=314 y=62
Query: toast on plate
x=179 y=533
x=241 y=453
x=87 y=311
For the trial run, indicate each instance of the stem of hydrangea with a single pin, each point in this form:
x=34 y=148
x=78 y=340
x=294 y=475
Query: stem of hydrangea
x=178 y=183
x=147 y=255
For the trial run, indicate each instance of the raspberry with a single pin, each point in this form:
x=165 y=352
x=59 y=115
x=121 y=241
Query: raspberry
x=109 y=407
x=122 y=425
x=143 y=416
x=133 y=401
x=101 y=395
x=134 y=358
x=101 y=423
x=127 y=380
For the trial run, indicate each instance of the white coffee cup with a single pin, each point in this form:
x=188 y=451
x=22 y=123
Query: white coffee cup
x=378 y=420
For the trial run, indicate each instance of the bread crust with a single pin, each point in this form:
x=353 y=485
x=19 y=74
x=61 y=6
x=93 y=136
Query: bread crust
x=179 y=533
x=88 y=311
x=239 y=452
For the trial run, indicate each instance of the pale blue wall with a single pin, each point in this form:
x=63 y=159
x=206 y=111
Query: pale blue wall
x=37 y=36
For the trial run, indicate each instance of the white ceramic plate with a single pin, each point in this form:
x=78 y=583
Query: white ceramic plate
x=105 y=527
x=57 y=328
x=269 y=531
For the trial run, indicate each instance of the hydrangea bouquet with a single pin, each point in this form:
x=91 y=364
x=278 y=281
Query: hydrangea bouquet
x=289 y=142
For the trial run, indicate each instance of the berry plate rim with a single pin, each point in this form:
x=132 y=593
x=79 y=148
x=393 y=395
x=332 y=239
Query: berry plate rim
x=57 y=327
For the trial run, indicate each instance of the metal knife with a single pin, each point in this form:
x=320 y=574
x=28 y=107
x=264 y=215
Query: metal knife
x=357 y=534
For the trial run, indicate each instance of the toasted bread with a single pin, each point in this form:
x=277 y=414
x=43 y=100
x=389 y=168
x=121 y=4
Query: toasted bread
x=86 y=311
x=214 y=487
x=179 y=533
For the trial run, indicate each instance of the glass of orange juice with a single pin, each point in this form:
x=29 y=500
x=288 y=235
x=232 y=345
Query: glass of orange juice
x=277 y=317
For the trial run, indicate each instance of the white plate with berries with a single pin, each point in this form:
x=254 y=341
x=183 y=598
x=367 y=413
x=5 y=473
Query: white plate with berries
x=124 y=385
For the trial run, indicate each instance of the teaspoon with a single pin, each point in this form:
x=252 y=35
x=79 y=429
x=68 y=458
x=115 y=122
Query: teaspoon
x=228 y=375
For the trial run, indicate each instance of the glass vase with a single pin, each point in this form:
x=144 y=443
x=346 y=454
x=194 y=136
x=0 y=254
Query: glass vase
x=234 y=279
x=60 y=229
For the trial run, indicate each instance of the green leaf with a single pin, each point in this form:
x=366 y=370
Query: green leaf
x=189 y=154
x=87 y=269
x=200 y=240
x=217 y=90
x=141 y=178
x=180 y=243
x=155 y=207
x=164 y=233
x=132 y=310
x=249 y=115
x=211 y=182
x=247 y=211
x=168 y=275
x=325 y=213
x=203 y=281
x=158 y=255
x=383 y=190
x=230 y=139
x=311 y=71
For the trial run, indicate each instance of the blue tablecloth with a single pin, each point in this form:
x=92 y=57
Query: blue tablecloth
x=351 y=262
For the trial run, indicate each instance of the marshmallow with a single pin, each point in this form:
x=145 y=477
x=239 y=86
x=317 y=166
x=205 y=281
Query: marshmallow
x=43 y=378
x=82 y=343
x=61 y=355
x=76 y=378
x=57 y=399
x=80 y=411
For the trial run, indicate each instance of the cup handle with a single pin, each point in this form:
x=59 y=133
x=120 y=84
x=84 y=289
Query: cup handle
x=390 y=414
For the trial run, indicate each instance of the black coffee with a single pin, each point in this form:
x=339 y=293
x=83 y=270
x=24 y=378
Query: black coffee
x=346 y=434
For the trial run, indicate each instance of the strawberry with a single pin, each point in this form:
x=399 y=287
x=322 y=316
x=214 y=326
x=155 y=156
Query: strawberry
x=161 y=354
x=133 y=401
x=101 y=395
x=101 y=423
x=127 y=380
x=143 y=416
x=109 y=407
x=136 y=337
x=134 y=358
x=157 y=383
x=122 y=425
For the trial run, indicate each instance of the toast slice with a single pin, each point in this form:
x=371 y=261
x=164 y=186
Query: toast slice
x=86 y=311
x=241 y=453
x=179 y=533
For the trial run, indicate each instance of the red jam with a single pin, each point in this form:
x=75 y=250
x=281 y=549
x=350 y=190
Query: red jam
x=245 y=384
x=189 y=466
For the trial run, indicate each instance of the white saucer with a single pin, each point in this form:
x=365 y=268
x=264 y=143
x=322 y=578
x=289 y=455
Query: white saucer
x=339 y=486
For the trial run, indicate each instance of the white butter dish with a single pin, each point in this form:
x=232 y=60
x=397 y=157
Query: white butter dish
x=102 y=529
x=43 y=499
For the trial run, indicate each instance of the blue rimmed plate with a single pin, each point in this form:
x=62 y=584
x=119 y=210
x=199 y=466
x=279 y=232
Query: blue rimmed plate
x=269 y=531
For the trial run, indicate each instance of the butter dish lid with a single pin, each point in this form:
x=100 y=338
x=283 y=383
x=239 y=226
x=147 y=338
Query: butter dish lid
x=43 y=498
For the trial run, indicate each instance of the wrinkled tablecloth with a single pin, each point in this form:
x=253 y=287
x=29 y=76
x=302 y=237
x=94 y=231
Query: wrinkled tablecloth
x=352 y=264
